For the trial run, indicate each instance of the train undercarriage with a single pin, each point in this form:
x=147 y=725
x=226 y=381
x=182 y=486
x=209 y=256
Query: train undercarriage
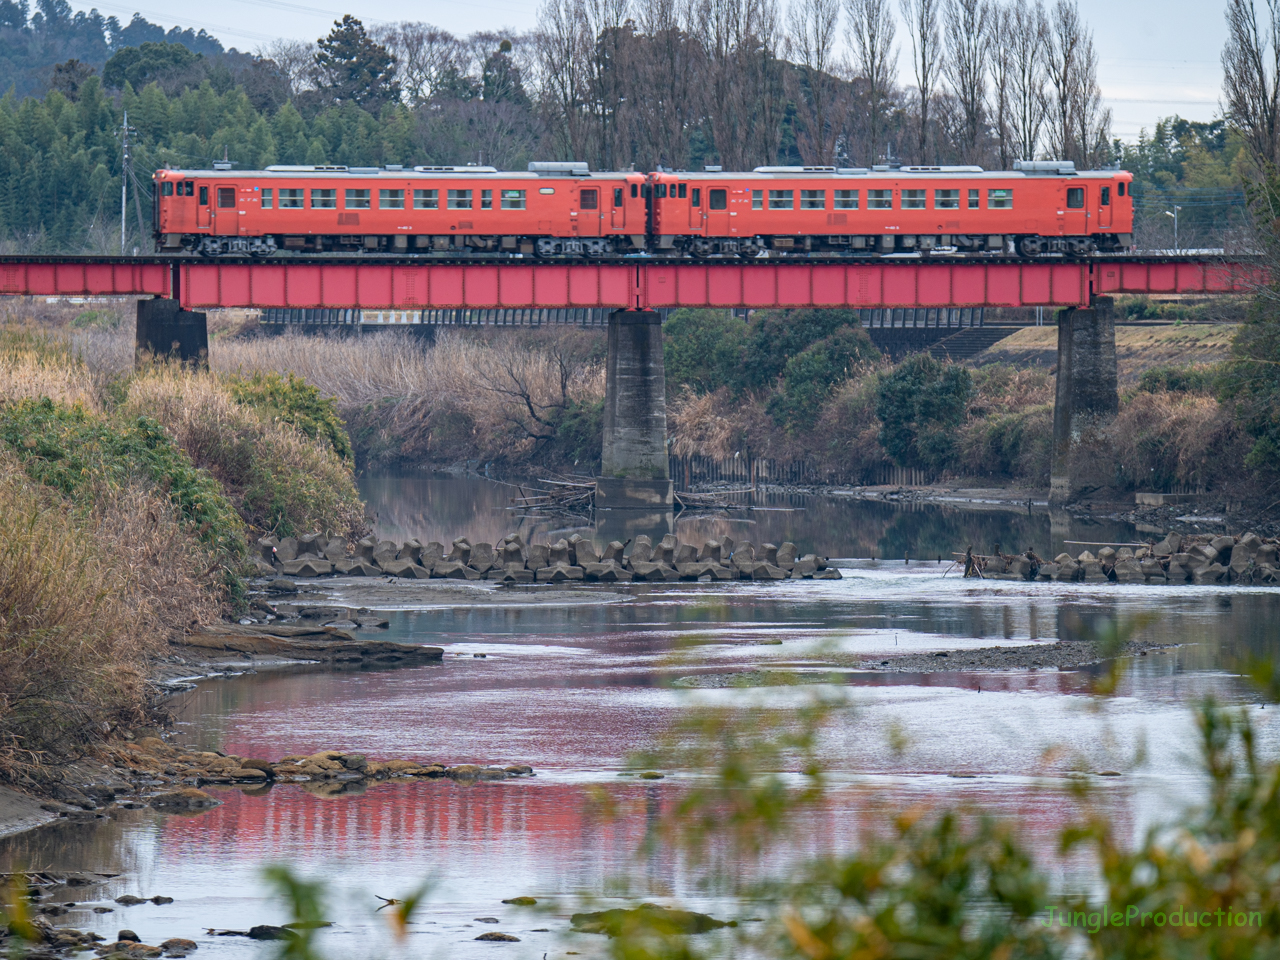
x=693 y=247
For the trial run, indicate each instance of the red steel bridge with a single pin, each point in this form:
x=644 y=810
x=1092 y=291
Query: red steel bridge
x=368 y=283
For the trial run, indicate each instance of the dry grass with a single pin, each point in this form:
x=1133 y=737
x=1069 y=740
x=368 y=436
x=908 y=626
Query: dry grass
x=84 y=602
x=282 y=480
x=705 y=425
x=27 y=373
x=1177 y=438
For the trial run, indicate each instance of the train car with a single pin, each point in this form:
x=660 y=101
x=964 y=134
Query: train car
x=564 y=210
x=554 y=209
x=1041 y=207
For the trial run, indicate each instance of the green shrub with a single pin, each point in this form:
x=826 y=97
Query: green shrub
x=1011 y=443
x=702 y=349
x=105 y=319
x=776 y=336
x=579 y=433
x=1176 y=380
x=809 y=377
x=297 y=403
x=79 y=453
x=921 y=404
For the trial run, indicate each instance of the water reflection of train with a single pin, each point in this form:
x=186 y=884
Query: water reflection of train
x=557 y=210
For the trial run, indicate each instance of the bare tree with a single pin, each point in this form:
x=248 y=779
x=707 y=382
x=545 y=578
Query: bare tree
x=423 y=53
x=296 y=60
x=870 y=35
x=562 y=56
x=1027 y=40
x=1092 y=121
x=921 y=17
x=668 y=69
x=1003 y=71
x=967 y=35
x=607 y=31
x=1066 y=35
x=811 y=45
x=1251 y=76
x=744 y=79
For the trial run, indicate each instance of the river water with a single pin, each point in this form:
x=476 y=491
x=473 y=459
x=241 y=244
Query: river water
x=575 y=688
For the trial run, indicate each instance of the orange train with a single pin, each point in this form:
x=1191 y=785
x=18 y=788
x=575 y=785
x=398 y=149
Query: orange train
x=557 y=210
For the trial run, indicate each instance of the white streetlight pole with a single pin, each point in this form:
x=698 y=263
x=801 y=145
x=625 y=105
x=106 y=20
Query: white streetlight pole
x=1174 y=214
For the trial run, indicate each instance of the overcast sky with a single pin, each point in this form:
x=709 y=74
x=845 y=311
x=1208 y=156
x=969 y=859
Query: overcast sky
x=1157 y=57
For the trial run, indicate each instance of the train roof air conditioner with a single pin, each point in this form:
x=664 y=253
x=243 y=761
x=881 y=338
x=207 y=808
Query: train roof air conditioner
x=794 y=170
x=940 y=169
x=574 y=168
x=1060 y=167
x=298 y=168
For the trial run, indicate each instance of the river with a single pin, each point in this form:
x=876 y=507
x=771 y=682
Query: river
x=573 y=689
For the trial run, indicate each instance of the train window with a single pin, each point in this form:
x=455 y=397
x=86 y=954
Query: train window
x=846 y=200
x=813 y=199
x=757 y=200
x=459 y=200
x=514 y=199
x=1119 y=188
x=660 y=191
x=617 y=196
x=588 y=200
x=719 y=199
x=486 y=199
x=390 y=199
x=356 y=199
x=426 y=199
x=324 y=199
x=166 y=188
x=1075 y=198
x=267 y=196
x=879 y=199
x=683 y=187
x=227 y=197
x=973 y=199
x=782 y=199
x=1105 y=197
x=634 y=191
x=946 y=199
x=204 y=196
x=1000 y=199
x=696 y=197
x=291 y=198
x=913 y=199
x=190 y=186
x=547 y=190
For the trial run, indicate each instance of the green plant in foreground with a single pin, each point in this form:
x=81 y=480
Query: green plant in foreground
x=297 y=403
x=73 y=451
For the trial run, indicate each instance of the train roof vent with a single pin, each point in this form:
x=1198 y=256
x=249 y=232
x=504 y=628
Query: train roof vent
x=364 y=171
x=713 y=168
x=794 y=170
x=940 y=169
x=1060 y=167
x=469 y=168
x=572 y=167
x=222 y=164
x=290 y=168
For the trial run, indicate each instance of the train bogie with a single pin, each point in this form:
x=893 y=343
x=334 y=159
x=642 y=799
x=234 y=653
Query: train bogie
x=557 y=210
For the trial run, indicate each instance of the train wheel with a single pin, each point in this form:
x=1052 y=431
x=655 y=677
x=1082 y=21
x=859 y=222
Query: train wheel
x=1031 y=246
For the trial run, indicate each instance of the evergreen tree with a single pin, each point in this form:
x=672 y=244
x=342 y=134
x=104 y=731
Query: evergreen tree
x=355 y=68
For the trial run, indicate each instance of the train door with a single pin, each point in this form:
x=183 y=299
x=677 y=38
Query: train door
x=204 y=216
x=1104 y=206
x=697 y=209
x=589 y=211
x=226 y=215
x=716 y=203
x=1076 y=217
x=618 y=206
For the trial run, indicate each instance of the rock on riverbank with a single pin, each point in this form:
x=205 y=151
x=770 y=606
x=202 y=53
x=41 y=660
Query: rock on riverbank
x=512 y=561
x=326 y=644
x=1246 y=559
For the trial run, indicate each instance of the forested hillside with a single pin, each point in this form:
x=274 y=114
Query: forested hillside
x=730 y=82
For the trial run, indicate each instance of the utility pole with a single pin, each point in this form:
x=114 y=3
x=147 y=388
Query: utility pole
x=1174 y=214
x=124 y=178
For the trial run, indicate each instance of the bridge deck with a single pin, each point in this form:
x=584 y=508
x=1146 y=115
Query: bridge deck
x=388 y=283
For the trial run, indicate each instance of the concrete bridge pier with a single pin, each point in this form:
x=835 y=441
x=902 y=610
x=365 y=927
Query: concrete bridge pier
x=1087 y=401
x=633 y=464
x=166 y=331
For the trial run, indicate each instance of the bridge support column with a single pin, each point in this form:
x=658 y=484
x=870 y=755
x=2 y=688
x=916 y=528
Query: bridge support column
x=166 y=331
x=633 y=463
x=1087 y=401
